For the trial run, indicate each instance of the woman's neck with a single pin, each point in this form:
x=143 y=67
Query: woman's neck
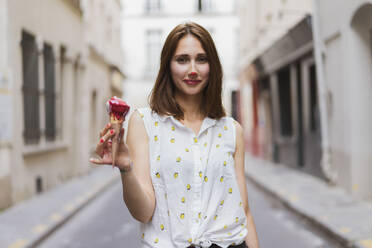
x=190 y=106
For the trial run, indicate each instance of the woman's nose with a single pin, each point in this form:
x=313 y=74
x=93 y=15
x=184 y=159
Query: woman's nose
x=193 y=74
x=192 y=70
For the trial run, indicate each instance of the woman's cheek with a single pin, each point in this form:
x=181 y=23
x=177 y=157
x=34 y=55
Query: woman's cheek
x=205 y=70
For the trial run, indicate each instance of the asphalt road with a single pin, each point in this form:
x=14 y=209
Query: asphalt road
x=106 y=222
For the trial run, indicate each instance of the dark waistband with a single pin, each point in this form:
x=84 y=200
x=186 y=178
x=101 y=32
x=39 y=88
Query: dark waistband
x=242 y=245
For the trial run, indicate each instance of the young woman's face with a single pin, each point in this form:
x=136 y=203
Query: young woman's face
x=189 y=66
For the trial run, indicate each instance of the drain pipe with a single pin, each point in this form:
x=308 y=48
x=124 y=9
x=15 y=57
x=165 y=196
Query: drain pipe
x=323 y=98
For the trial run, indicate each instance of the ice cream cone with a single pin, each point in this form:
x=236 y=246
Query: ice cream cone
x=116 y=126
x=117 y=109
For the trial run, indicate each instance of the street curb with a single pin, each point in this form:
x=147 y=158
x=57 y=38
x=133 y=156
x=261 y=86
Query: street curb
x=51 y=229
x=323 y=228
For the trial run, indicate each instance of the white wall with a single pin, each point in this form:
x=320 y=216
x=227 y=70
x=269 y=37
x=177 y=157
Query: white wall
x=265 y=21
x=222 y=21
x=347 y=69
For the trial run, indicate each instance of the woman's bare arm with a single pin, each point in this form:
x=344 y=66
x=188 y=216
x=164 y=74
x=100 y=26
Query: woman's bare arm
x=138 y=192
x=251 y=238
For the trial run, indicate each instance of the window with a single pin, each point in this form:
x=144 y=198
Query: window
x=50 y=94
x=204 y=6
x=153 y=48
x=30 y=89
x=33 y=101
x=153 y=6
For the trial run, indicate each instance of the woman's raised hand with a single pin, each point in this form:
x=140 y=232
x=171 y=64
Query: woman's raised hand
x=104 y=147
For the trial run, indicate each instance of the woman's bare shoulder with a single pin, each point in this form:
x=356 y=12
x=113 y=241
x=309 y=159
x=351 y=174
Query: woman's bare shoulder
x=136 y=125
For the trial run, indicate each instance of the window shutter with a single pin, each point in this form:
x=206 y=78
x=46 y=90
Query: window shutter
x=50 y=96
x=30 y=89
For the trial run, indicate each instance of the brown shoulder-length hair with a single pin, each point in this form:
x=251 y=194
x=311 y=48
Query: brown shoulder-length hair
x=162 y=97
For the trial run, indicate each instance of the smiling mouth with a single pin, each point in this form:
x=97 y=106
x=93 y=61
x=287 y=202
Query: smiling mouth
x=192 y=82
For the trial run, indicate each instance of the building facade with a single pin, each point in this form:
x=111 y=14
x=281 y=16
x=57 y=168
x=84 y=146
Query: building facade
x=58 y=69
x=306 y=93
x=344 y=62
x=276 y=86
x=146 y=24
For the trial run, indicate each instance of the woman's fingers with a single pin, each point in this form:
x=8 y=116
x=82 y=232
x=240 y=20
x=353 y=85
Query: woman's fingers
x=96 y=161
x=105 y=129
x=103 y=142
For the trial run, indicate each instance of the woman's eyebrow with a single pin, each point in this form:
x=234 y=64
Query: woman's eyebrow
x=181 y=55
x=186 y=55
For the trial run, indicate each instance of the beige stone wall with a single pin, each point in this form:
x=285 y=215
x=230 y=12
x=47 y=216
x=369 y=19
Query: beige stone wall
x=51 y=22
x=87 y=68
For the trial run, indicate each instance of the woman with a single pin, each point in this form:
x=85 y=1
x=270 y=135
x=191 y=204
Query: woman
x=183 y=167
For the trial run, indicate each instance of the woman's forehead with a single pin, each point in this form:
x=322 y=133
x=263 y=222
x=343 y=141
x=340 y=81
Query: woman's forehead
x=189 y=45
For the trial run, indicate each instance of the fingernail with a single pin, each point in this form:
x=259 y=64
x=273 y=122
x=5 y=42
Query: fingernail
x=101 y=140
x=112 y=131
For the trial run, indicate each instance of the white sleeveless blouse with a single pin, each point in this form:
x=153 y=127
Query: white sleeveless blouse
x=197 y=196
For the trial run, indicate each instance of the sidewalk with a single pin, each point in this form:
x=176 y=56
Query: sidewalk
x=329 y=208
x=28 y=223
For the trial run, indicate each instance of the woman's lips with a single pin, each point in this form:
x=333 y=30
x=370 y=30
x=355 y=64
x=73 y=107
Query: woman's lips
x=192 y=82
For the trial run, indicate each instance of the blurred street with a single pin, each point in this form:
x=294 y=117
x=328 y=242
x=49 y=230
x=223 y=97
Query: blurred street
x=106 y=222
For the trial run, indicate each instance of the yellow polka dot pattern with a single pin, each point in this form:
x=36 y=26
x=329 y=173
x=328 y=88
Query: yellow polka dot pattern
x=221 y=136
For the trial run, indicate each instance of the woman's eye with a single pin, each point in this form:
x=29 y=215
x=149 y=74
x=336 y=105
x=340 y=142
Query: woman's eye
x=203 y=59
x=181 y=60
